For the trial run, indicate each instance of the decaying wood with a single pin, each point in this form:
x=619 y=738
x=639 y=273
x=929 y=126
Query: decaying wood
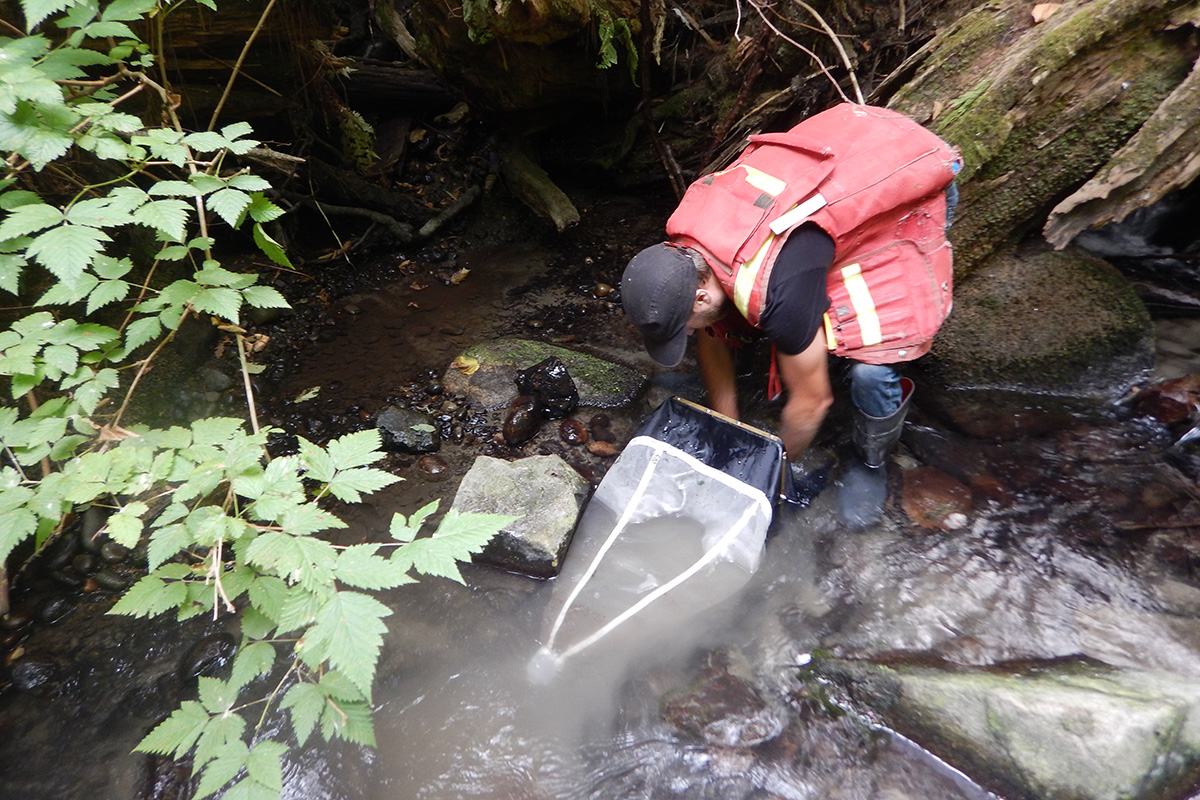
x=372 y=84
x=530 y=183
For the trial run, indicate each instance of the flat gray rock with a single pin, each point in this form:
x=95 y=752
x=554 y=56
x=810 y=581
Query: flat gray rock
x=486 y=373
x=546 y=494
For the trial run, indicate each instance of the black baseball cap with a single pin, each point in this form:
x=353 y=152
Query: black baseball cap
x=658 y=291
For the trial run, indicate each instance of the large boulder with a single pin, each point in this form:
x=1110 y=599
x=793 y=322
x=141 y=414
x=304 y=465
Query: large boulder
x=543 y=492
x=1063 y=323
x=486 y=373
x=1069 y=731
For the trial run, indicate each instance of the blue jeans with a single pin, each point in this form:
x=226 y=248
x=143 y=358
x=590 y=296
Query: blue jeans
x=875 y=389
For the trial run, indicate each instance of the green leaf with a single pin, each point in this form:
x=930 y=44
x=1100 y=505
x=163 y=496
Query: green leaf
x=296 y=558
x=205 y=141
x=149 y=597
x=349 y=721
x=29 y=218
x=203 y=182
x=305 y=702
x=404 y=529
x=256 y=658
x=127 y=10
x=220 y=731
x=360 y=567
x=264 y=297
x=217 y=696
x=270 y=247
x=349 y=485
x=265 y=765
x=11 y=267
x=355 y=449
x=335 y=685
x=175 y=735
x=226 y=764
x=38 y=10
x=125 y=527
x=169 y=217
x=458 y=537
x=263 y=210
x=173 y=189
x=106 y=292
x=223 y=303
x=67 y=250
x=249 y=183
x=318 y=463
x=348 y=633
x=229 y=205
x=141 y=331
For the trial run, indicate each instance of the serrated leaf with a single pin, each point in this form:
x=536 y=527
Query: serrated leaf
x=205 y=183
x=256 y=624
x=141 y=331
x=256 y=658
x=175 y=735
x=168 y=216
x=106 y=292
x=125 y=527
x=349 y=721
x=294 y=558
x=318 y=463
x=29 y=218
x=360 y=567
x=244 y=789
x=226 y=764
x=69 y=290
x=308 y=519
x=270 y=247
x=249 y=183
x=223 y=303
x=263 y=210
x=173 y=189
x=216 y=695
x=335 y=685
x=38 y=10
x=351 y=484
x=458 y=537
x=67 y=250
x=149 y=597
x=229 y=205
x=265 y=765
x=217 y=431
x=127 y=10
x=405 y=529
x=347 y=633
x=205 y=141
x=220 y=731
x=100 y=30
x=355 y=449
x=264 y=297
x=305 y=702
x=11 y=267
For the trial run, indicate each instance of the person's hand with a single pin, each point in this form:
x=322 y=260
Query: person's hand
x=801 y=486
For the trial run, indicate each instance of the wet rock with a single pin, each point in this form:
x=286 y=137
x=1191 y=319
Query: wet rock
x=543 y=492
x=1169 y=402
x=572 y=431
x=522 y=420
x=603 y=449
x=111 y=580
x=551 y=384
x=600 y=428
x=54 y=610
x=84 y=563
x=1060 y=321
x=432 y=465
x=486 y=373
x=407 y=431
x=1073 y=729
x=61 y=552
x=207 y=657
x=933 y=499
x=723 y=708
x=30 y=674
x=113 y=553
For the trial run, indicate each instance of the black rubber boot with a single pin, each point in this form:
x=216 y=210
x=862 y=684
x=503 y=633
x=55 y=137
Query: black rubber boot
x=874 y=437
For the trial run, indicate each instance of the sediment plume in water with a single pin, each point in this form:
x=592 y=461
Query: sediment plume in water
x=543 y=667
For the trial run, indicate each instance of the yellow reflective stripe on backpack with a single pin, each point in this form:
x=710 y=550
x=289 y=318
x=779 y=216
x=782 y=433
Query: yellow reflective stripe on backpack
x=864 y=305
x=747 y=277
x=762 y=181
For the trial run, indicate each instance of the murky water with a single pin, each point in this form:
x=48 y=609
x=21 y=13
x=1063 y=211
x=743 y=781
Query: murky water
x=1072 y=547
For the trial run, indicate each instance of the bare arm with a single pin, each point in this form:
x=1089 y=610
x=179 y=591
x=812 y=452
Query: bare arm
x=716 y=369
x=805 y=376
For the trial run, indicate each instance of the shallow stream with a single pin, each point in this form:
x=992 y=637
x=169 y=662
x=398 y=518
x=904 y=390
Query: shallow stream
x=1078 y=544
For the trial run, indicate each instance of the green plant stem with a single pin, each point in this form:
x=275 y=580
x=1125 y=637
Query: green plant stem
x=241 y=348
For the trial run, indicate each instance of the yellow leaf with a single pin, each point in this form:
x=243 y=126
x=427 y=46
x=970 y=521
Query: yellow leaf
x=1042 y=11
x=467 y=364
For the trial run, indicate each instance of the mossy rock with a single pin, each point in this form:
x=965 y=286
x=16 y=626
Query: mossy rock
x=1063 y=323
x=493 y=368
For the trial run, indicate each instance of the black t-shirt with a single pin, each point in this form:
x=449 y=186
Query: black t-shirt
x=796 y=296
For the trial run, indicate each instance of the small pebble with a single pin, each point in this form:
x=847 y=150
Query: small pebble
x=432 y=465
x=112 y=581
x=602 y=449
x=572 y=431
x=114 y=553
x=84 y=563
x=54 y=610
